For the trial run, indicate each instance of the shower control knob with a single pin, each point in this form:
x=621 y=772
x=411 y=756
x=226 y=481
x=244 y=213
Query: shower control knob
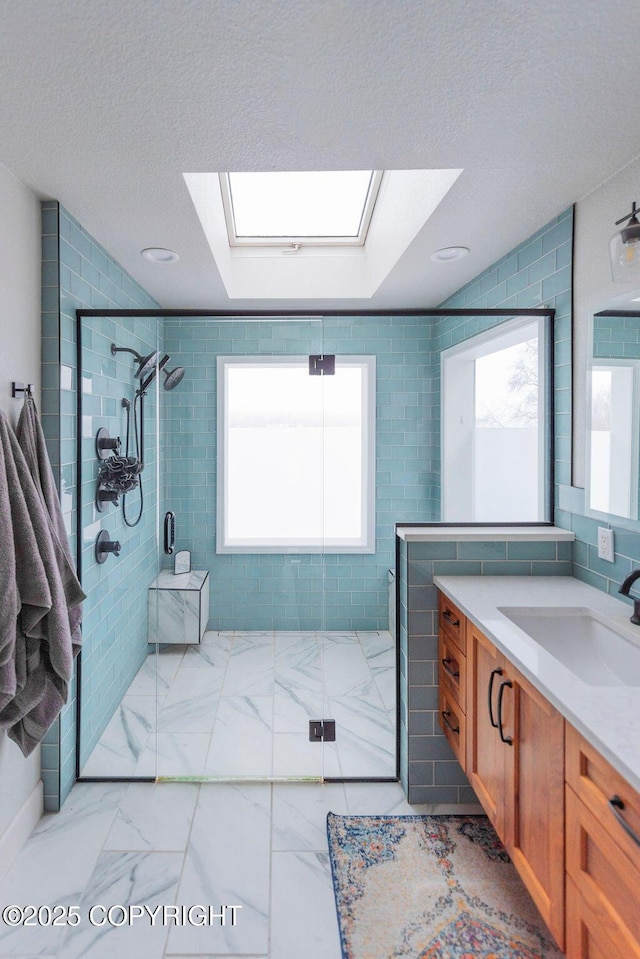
x=104 y=546
x=105 y=444
x=104 y=498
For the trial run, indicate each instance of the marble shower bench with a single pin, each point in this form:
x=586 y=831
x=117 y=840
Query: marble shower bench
x=178 y=607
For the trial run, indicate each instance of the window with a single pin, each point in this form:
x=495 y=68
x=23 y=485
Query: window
x=495 y=426
x=311 y=208
x=296 y=455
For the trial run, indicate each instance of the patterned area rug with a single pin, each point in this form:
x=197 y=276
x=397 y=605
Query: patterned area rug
x=430 y=887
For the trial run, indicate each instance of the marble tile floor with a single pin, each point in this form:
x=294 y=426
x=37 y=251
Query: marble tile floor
x=238 y=705
x=261 y=846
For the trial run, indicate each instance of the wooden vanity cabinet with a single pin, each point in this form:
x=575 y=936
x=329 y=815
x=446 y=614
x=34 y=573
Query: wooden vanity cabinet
x=515 y=763
x=452 y=676
x=551 y=796
x=603 y=856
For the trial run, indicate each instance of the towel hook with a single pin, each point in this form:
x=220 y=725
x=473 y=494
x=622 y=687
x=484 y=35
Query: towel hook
x=19 y=389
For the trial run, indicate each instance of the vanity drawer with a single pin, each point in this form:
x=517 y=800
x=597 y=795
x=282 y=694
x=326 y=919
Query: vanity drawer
x=452 y=621
x=586 y=938
x=453 y=723
x=452 y=669
x=614 y=803
x=603 y=904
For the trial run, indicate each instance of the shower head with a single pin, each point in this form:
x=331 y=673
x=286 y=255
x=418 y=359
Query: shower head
x=145 y=363
x=146 y=383
x=173 y=377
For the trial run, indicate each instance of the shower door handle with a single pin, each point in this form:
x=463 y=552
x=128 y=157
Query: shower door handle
x=169 y=532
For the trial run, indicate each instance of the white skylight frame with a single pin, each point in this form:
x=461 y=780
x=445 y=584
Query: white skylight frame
x=407 y=199
x=295 y=242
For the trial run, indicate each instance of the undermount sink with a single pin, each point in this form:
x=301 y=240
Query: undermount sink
x=582 y=641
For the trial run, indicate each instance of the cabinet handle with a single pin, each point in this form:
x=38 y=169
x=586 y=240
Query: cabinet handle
x=494 y=673
x=448 y=670
x=505 y=739
x=445 y=718
x=616 y=804
x=449 y=618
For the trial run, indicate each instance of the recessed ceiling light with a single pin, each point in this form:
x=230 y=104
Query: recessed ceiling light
x=157 y=255
x=449 y=253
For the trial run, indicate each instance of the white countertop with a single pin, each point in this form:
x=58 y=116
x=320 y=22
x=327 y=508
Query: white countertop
x=607 y=716
x=428 y=534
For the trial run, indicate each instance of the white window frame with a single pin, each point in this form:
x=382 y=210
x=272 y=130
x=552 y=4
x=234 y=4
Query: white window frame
x=458 y=407
x=298 y=241
x=366 y=543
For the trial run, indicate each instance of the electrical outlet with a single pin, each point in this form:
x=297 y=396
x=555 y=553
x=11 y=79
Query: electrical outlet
x=605 y=544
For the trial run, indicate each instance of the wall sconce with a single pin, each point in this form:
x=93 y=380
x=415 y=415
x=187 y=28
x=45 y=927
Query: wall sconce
x=624 y=249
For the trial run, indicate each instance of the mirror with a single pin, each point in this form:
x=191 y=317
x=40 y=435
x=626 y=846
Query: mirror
x=613 y=416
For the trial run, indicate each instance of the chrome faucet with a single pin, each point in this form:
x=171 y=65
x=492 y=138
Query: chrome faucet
x=624 y=589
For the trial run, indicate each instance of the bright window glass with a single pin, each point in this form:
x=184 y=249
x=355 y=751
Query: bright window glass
x=495 y=426
x=613 y=439
x=295 y=455
x=281 y=207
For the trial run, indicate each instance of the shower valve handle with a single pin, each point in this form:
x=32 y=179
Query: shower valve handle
x=104 y=546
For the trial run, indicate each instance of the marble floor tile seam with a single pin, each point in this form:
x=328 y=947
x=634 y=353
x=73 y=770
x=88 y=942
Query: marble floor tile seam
x=180 y=856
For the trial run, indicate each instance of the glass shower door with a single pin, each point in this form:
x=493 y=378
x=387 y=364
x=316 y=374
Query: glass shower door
x=243 y=474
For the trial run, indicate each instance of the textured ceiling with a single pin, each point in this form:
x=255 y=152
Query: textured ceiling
x=104 y=106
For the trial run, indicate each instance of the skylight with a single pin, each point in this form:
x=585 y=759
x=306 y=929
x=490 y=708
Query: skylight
x=299 y=208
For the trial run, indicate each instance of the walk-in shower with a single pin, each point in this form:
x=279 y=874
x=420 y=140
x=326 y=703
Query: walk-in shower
x=237 y=668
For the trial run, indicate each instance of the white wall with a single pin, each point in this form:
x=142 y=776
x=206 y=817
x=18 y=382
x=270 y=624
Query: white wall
x=19 y=360
x=593 y=287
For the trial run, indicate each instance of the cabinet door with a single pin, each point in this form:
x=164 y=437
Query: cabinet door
x=586 y=938
x=605 y=908
x=534 y=794
x=485 y=751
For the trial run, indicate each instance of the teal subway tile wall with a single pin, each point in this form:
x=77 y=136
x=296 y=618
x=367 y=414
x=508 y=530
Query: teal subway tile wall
x=115 y=642
x=286 y=591
x=537 y=273
x=616 y=336
x=76 y=273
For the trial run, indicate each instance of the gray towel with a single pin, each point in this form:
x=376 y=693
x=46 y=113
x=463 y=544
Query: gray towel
x=33 y=445
x=36 y=652
x=22 y=579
